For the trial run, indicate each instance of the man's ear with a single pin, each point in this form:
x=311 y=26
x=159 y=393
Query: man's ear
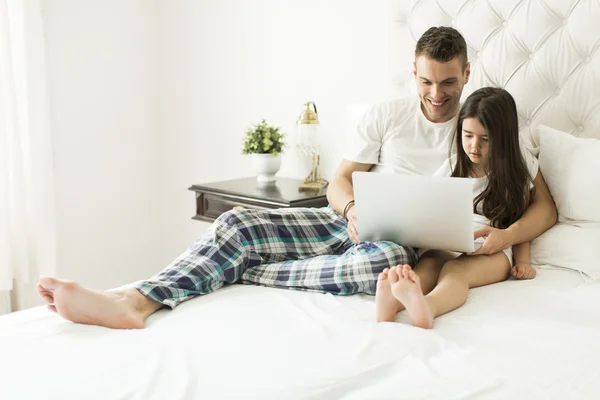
x=467 y=72
x=414 y=70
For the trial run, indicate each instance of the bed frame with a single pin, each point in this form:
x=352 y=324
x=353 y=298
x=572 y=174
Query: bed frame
x=544 y=52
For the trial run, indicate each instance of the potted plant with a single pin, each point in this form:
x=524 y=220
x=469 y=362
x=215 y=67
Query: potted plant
x=264 y=144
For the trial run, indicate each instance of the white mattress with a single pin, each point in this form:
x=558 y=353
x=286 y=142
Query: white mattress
x=536 y=339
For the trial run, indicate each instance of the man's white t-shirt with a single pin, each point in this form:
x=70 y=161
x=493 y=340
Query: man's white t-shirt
x=396 y=137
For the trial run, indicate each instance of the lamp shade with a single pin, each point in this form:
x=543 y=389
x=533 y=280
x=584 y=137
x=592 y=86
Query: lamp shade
x=308 y=141
x=308 y=116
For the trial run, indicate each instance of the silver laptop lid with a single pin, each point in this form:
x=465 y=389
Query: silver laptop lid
x=415 y=211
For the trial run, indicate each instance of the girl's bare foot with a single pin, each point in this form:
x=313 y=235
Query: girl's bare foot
x=386 y=305
x=118 y=310
x=407 y=290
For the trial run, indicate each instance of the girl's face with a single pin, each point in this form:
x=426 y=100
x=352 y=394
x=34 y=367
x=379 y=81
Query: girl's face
x=475 y=141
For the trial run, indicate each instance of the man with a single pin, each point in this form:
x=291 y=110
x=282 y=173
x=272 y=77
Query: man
x=319 y=249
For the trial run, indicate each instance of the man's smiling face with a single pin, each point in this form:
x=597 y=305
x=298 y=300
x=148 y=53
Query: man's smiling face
x=440 y=85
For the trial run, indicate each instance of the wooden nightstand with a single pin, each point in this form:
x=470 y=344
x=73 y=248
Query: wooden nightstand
x=213 y=199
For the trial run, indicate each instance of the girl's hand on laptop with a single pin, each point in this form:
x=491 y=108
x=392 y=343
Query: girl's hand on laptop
x=352 y=229
x=495 y=240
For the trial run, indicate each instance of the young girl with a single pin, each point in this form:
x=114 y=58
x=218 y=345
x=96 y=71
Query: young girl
x=487 y=151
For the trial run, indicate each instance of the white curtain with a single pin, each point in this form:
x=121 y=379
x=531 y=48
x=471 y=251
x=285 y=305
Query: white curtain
x=27 y=211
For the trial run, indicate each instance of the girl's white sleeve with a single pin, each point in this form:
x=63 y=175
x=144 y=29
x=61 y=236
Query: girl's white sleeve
x=532 y=164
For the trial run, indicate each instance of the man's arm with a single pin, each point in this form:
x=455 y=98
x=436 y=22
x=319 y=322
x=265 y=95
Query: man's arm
x=539 y=217
x=340 y=190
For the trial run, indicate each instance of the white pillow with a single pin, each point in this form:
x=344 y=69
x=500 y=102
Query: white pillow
x=571 y=246
x=571 y=168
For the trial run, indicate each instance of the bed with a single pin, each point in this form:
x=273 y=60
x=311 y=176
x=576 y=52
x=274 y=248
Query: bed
x=534 y=339
x=522 y=339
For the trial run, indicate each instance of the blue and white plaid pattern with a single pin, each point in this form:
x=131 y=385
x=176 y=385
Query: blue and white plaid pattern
x=301 y=248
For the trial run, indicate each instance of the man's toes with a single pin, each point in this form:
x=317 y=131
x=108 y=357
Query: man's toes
x=49 y=283
x=45 y=294
x=393 y=275
x=42 y=290
x=47 y=297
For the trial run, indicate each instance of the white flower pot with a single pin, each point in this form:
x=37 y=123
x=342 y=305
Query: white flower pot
x=265 y=166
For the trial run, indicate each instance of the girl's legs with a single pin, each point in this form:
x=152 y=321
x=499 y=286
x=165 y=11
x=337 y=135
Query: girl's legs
x=456 y=278
x=427 y=269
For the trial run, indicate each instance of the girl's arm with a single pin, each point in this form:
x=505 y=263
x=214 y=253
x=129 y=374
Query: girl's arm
x=522 y=268
x=537 y=218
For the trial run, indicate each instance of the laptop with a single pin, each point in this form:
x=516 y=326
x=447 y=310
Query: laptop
x=418 y=211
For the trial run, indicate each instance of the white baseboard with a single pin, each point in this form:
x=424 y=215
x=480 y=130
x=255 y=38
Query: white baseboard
x=5 y=306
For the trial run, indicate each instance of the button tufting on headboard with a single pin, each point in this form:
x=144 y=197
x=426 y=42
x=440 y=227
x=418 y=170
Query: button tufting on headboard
x=544 y=52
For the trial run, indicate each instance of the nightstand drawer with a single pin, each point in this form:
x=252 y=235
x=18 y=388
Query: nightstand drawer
x=213 y=199
x=215 y=205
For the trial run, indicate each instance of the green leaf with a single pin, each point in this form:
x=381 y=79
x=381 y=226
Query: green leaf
x=263 y=139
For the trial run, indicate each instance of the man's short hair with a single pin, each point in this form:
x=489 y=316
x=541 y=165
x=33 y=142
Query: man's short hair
x=442 y=44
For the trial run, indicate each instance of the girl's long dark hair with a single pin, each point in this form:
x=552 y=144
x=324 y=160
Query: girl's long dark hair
x=507 y=194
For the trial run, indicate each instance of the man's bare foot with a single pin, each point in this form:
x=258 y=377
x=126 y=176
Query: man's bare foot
x=386 y=305
x=119 y=310
x=407 y=290
x=48 y=297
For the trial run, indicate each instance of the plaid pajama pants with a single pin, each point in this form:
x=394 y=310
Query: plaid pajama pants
x=301 y=248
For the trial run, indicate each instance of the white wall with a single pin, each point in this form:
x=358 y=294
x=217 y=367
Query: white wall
x=102 y=58
x=149 y=97
x=225 y=65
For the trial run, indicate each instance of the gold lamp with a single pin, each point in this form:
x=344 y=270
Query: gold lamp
x=308 y=143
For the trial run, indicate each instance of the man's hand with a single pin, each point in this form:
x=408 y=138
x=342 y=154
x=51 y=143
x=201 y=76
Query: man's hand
x=495 y=240
x=352 y=229
x=523 y=271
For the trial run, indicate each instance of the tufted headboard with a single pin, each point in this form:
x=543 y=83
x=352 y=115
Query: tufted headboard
x=546 y=53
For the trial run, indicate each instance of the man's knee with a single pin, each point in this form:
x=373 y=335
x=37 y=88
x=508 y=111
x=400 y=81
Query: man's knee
x=231 y=217
x=402 y=255
x=386 y=254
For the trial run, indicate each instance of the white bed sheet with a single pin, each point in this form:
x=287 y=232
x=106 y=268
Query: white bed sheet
x=536 y=339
